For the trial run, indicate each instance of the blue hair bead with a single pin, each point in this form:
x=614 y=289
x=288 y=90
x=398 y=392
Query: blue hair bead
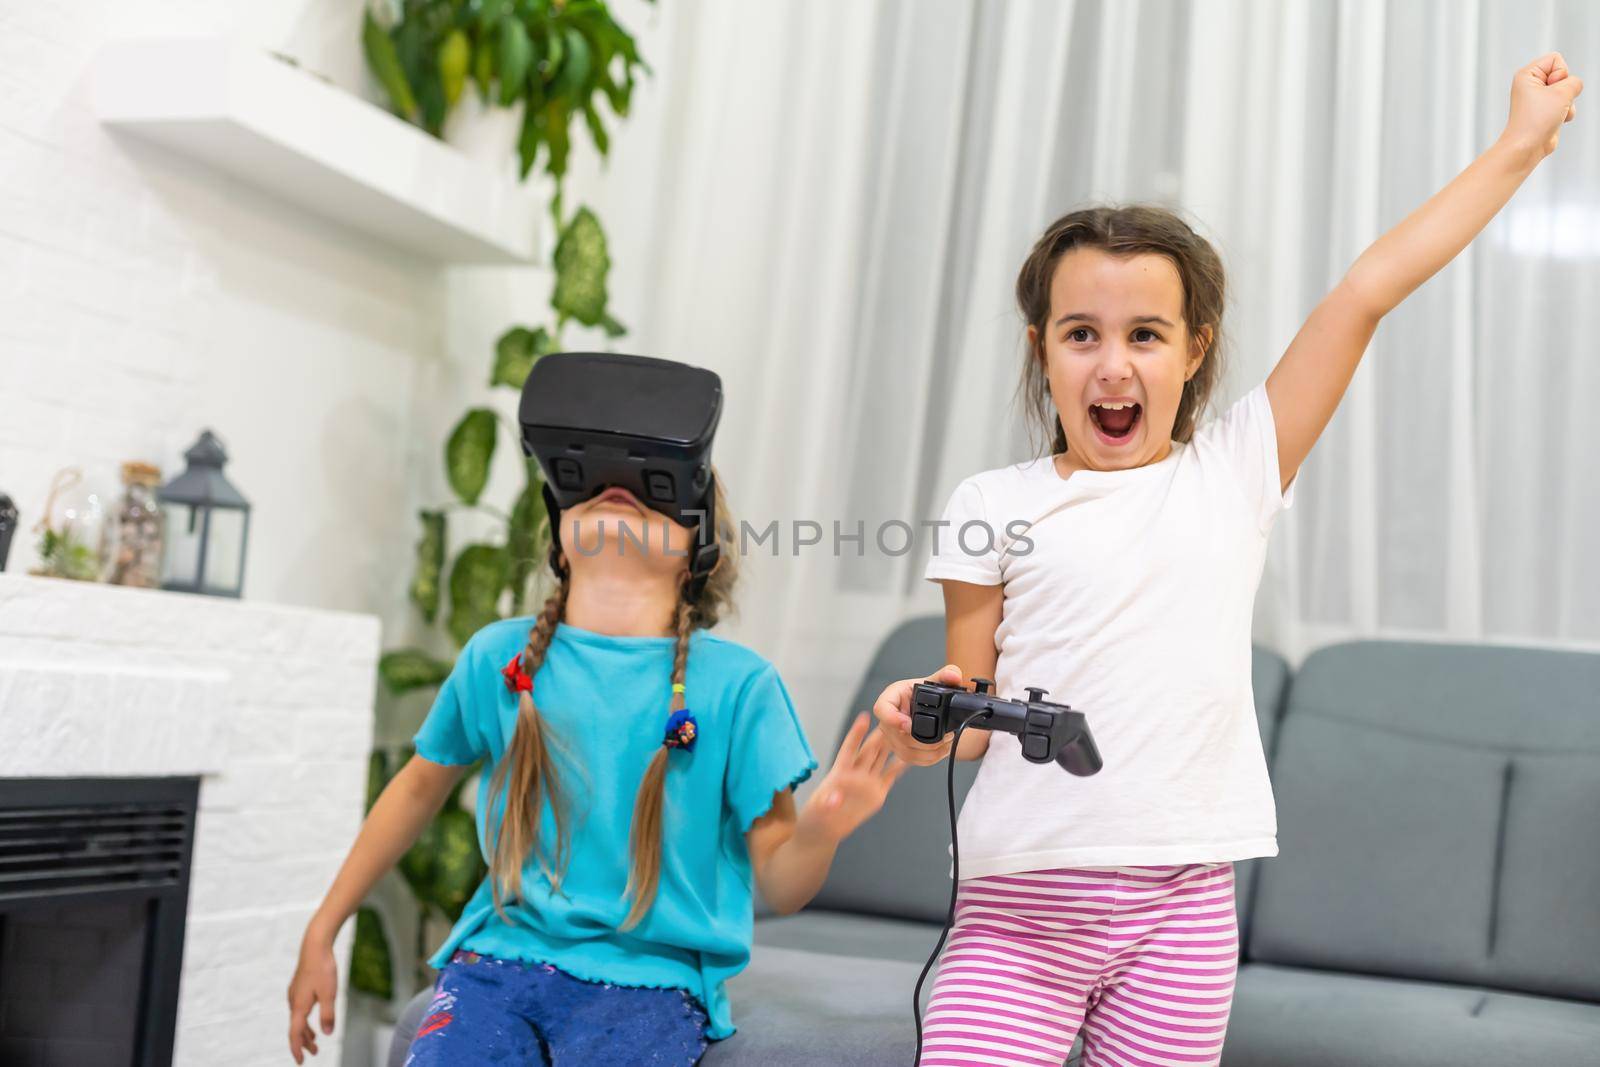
x=681 y=730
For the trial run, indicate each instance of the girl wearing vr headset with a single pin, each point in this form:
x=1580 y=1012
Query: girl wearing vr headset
x=641 y=778
x=1106 y=905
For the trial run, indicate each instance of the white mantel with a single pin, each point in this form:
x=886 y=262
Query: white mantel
x=271 y=705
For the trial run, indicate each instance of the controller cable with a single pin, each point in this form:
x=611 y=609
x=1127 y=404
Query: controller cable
x=955 y=874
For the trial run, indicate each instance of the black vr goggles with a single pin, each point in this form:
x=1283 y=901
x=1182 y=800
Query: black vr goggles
x=597 y=420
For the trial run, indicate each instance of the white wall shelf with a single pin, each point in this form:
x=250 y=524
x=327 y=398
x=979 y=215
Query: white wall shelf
x=308 y=142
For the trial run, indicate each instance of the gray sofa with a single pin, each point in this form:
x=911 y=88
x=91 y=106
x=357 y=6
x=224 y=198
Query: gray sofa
x=1436 y=901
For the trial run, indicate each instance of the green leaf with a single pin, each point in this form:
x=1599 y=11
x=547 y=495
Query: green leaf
x=515 y=353
x=429 y=564
x=597 y=129
x=574 y=71
x=416 y=866
x=468 y=452
x=581 y=264
x=406 y=669
x=445 y=866
x=616 y=95
x=411 y=48
x=554 y=52
x=556 y=200
x=626 y=94
x=371 y=967
x=529 y=138
x=612 y=47
x=455 y=56
x=476 y=582
x=458 y=866
x=526 y=540
x=611 y=326
x=516 y=55
x=483 y=66
x=377 y=775
x=63 y=555
x=490 y=13
x=431 y=98
x=555 y=118
x=385 y=64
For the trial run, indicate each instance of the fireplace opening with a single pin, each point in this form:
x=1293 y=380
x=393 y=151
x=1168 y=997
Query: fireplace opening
x=94 y=889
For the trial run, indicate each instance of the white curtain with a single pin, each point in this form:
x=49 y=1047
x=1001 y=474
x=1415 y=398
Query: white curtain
x=828 y=203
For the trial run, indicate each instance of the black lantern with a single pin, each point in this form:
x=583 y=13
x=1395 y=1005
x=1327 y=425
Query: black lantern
x=207 y=525
x=8 y=523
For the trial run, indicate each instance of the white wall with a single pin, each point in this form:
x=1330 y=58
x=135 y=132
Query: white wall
x=144 y=297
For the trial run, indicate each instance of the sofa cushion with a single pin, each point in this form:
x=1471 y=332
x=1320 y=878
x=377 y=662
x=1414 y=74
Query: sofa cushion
x=898 y=863
x=843 y=934
x=1435 y=809
x=1546 y=935
x=1284 y=1015
x=406 y=1027
x=794 y=1007
x=1387 y=854
x=1269 y=681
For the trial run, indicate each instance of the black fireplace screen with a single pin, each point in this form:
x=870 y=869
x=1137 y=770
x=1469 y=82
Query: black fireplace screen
x=94 y=887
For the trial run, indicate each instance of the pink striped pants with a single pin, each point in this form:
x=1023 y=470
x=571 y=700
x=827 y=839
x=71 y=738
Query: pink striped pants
x=1141 y=959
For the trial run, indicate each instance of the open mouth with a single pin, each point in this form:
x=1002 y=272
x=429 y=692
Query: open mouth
x=1117 y=419
x=618 y=496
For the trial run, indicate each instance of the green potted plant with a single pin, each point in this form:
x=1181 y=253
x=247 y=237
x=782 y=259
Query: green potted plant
x=556 y=59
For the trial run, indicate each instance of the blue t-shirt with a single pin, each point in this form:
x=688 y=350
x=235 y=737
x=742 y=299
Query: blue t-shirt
x=605 y=701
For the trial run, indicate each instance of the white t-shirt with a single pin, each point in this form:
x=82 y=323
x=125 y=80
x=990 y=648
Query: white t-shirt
x=1128 y=595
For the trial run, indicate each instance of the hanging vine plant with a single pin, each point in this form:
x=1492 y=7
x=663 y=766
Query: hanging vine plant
x=557 y=61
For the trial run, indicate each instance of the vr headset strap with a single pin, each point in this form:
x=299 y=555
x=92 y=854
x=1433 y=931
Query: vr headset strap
x=706 y=551
x=553 y=511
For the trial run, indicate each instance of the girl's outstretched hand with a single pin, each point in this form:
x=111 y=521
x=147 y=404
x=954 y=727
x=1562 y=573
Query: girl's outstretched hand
x=856 y=785
x=1542 y=96
x=893 y=711
x=315 y=983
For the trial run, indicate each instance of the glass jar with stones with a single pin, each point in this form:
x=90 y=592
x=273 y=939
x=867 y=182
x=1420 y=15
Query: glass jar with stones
x=133 y=555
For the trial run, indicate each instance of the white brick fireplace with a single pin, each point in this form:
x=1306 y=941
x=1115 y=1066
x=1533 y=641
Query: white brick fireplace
x=271 y=706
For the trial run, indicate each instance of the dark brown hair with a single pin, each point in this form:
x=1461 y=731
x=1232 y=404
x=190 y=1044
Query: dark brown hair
x=1122 y=231
x=526 y=774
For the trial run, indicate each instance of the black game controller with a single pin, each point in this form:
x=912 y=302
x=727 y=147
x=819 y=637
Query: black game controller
x=1047 y=731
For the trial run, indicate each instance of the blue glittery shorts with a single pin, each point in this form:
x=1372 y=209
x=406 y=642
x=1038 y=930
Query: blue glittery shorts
x=491 y=1011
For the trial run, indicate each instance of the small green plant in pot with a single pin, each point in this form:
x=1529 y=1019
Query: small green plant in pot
x=560 y=60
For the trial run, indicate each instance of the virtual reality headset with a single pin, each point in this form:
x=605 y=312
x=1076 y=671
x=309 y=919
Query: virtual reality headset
x=597 y=420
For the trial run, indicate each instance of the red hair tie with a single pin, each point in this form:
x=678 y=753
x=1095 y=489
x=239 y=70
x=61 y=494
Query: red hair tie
x=517 y=679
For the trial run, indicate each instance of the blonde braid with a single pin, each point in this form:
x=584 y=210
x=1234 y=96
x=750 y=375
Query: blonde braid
x=526 y=776
x=644 y=842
